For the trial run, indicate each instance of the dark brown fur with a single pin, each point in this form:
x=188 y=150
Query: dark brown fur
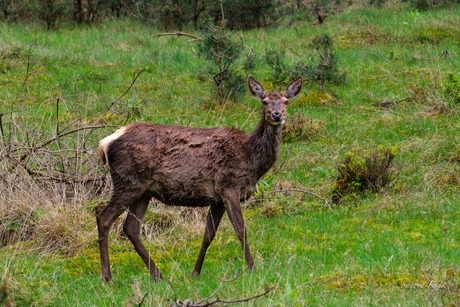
x=194 y=167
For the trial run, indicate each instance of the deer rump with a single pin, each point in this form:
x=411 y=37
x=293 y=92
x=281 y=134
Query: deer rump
x=180 y=166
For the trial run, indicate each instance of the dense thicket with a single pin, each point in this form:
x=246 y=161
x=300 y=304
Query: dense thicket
x=176 y=14
x=241 y=14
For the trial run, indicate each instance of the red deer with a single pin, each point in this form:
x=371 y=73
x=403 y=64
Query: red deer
x=182 y=166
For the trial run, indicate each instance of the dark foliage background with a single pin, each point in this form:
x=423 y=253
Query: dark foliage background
x=177 y=14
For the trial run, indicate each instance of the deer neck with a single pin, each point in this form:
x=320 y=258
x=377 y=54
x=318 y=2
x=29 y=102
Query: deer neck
x=265 y=142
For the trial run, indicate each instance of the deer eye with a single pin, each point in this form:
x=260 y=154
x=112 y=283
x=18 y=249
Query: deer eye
x=286 y=102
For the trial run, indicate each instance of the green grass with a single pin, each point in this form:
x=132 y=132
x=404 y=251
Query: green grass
x=380 y=249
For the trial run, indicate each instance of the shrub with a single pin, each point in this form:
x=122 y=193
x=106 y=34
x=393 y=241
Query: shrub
x=428 y=4
x=361 y=173
x=225 y=60
x=324 y=68
x=277 y=61
x=50 y=11
x=173 y=14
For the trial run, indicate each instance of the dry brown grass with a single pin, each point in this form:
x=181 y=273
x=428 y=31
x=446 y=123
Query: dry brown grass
x=38 y=211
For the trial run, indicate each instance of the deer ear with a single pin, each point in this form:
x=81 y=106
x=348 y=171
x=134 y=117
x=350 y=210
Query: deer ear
x=294 y=88
x=256 y=89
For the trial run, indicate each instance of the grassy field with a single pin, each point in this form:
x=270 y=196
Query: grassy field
x=398 y=247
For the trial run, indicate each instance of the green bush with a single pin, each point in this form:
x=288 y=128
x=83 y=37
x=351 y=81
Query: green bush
x=325 y=67
x=365 y=172
x=226 y=60
x=277 y=61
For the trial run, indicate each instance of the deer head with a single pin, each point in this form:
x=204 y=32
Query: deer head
x=275 y=103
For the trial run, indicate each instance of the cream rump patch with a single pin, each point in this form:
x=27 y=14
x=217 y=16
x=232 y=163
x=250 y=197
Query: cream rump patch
x=105 y=143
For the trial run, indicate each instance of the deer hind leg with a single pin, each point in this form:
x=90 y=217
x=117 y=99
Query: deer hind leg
x=231 y=200
x=132 y=228
x=214 y=216
x=121 y=199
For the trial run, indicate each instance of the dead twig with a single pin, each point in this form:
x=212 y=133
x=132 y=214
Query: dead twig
x=222 y=281
x=119 y=97
x=178 y=34
x=55 y=138
x=210 y=300
x=281 y=165
x=218 y=301
x=244 y=299
x=389 y=104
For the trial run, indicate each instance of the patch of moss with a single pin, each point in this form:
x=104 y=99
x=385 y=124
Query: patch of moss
x=316 y=97
x=85 y=263
x=272 y=210
x=362 y=38
x=269 y=86
x=437 y=34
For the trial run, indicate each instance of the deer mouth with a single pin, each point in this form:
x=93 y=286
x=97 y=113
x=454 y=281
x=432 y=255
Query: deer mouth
x=277 y=122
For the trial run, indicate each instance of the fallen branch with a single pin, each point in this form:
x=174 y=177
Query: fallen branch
x=414 y=59
x=178 y=34
x=214 y=302
x=389 y=104
x=210 y=301
x=244 y=299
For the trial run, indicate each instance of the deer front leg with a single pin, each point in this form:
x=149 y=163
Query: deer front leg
x=214 y=216
x=231 y=200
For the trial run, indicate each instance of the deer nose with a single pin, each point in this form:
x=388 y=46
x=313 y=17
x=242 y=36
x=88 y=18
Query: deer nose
x=276 y=116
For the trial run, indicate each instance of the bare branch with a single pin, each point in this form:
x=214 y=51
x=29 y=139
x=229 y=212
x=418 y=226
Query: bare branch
x=244 y=299
x=178 y=34
x=209 y=301
x=57 y=137
x=121 y=96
